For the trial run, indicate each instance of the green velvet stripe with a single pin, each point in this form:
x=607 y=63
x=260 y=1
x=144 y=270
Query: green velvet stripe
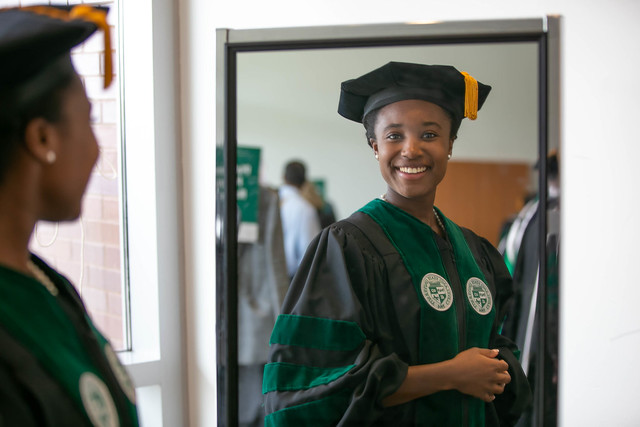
x=288 y=376
x=319 y=413
x=316 y=332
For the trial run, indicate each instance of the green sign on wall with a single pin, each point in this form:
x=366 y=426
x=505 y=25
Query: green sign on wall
x=248 y=163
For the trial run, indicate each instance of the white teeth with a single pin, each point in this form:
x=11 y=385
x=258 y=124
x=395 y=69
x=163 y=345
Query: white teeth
x=412 y=170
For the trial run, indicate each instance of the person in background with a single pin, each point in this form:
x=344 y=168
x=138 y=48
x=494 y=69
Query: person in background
x=300 y=222
x=394 y=313
x=56 y=368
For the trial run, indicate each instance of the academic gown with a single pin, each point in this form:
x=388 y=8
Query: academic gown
x=350 y=328
x=30 y=395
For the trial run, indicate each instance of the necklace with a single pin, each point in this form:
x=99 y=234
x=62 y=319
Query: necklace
x=440 y=224
x=439 y=220
x=42 y=278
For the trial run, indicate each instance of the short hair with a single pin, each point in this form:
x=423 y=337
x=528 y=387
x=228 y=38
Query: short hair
x=295 y=173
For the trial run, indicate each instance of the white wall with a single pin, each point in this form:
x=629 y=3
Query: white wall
x=600 y=329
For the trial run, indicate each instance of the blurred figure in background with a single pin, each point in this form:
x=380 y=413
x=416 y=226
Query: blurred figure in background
x=300 y=222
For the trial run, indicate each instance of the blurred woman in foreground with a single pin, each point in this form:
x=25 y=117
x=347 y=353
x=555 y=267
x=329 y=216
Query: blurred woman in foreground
x=56 y=369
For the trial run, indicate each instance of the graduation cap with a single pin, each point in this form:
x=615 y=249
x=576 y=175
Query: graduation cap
x=456 y=92
x=35 y=45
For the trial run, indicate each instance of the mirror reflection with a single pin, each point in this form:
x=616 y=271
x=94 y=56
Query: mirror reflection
x=286 y=109
x=287 y=105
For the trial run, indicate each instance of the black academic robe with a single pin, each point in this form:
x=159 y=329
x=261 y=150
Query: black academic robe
x=353 y=275
x=29 y=394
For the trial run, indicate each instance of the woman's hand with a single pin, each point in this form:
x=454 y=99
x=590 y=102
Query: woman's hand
x=478 y=373
x=475 y=372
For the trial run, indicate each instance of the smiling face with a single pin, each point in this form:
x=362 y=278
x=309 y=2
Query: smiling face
x=413 y=141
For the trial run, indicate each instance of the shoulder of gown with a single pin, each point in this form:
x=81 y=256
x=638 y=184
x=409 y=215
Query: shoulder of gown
x=326 y=358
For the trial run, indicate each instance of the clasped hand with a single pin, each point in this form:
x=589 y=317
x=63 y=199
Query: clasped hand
x=476 y=372
x=479 y=373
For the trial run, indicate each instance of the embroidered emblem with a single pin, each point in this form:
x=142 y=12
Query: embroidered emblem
x=97 y=401
x=479 y=296
x=121 y=374
x=436 y=291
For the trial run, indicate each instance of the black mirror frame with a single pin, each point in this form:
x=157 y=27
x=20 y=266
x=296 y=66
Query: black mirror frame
x=544 y=31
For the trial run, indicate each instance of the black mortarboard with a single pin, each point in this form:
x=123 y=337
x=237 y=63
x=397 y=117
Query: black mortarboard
x=455 y=91
x=35 y=42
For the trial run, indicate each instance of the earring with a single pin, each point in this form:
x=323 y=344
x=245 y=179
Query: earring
x=449 y=157
x=376 y=154
x=51 y=157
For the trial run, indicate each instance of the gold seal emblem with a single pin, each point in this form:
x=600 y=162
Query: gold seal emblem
x=436 y=291
x=479 y=296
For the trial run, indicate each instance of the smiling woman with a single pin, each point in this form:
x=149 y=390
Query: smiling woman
x=411 y=126
x=413 y=144
x=445 y=288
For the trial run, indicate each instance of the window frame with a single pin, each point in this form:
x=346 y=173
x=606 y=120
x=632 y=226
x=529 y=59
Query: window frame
x=152 y=207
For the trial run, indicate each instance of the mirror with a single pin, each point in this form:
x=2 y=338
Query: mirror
x=277 y=101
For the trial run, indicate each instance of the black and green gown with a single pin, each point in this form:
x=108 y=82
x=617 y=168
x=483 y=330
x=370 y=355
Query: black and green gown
x=56 y=369
x=377 y=293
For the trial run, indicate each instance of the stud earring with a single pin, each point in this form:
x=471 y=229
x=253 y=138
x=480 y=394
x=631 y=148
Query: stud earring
x=376 y=154
x=449 y=156
x=51 y=157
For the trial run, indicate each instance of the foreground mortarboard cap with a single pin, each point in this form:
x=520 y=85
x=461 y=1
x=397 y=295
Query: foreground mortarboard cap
x=443 y=85
x=34 y=40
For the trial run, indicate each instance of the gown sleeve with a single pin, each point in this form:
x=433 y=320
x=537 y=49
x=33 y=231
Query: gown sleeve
x=506 y=409
x=329 y=364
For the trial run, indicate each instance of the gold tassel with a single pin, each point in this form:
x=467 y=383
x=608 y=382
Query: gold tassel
x=86 y=13
x=470 y=96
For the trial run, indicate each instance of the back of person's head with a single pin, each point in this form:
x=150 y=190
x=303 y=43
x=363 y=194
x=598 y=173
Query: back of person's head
x=295 y=173
x=35 y=53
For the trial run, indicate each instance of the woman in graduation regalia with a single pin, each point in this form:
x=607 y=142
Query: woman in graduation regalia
x=56 y=369
x=393 y=316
